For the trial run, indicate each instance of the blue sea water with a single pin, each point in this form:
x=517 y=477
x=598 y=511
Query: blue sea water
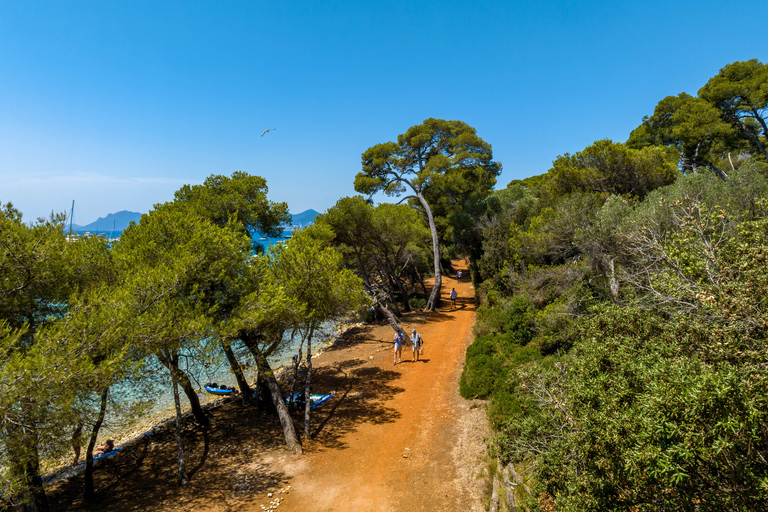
x=162 y=403
x=270 y=241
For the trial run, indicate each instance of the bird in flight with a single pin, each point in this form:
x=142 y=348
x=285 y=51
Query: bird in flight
x=269 y=130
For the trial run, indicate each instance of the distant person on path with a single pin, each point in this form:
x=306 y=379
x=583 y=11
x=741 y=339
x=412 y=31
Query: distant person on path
x=399 y=340
x=453 y=297
x=416 y=344
x=458 y=275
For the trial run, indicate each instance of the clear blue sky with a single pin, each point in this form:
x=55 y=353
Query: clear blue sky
x=117 y=104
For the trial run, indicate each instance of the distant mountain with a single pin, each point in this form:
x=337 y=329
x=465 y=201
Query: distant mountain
x=112 y=222
x=304 y=218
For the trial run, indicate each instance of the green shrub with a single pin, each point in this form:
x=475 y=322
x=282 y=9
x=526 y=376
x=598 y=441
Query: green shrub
x=417 y=302
x=512 y=318
x=483 y=369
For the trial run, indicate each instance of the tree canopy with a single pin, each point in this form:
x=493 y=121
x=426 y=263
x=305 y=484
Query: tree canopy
x=436 y=160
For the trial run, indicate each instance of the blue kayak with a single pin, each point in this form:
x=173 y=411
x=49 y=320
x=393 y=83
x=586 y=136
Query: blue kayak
x=315 y=399
x=219 y=390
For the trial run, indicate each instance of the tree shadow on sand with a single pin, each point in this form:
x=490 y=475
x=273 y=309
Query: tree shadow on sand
x=220 y=464
x=360 y=396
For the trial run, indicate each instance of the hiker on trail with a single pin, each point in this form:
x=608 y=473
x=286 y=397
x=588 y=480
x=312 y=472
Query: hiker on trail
x=453 y=297
x=399 y=340
x=458 y=275
x=416 y=344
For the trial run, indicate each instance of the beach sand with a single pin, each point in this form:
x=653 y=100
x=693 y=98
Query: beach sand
x=393 y=438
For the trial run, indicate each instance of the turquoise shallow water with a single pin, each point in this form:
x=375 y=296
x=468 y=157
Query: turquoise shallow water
x=218 y=371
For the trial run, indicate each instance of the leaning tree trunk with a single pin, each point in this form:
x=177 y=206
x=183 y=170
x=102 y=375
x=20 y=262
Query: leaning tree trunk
x=88 y=490
x=381 y=306
x=277 y=398
x=434 y=296
x=308 y=385
x=237 y=370
x=177 y=375
x=752 y=135
x=182 y=474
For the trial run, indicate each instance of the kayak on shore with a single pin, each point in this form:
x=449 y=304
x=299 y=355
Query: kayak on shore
x=315 y=399
x=217 y=389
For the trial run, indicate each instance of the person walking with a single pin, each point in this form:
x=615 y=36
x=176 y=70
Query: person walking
x=453 y=297
x=416 y=344
x=399 y=340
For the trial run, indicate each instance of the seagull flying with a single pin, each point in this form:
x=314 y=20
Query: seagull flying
x=269 y=130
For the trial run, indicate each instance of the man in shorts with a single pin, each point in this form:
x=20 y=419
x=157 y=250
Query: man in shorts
x=453 y=297
x=399 y=340
x=416 y=343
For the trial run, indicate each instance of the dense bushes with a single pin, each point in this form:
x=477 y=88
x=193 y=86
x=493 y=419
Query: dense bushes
x=656 y=414
x=622 y=342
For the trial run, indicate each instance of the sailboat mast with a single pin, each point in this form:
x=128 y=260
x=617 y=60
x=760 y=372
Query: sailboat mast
x=71 y=217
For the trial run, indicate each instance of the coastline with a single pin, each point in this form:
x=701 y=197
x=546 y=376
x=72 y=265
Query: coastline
x=162 y=419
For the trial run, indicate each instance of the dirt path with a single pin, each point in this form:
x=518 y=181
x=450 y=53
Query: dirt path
x=406 y=459
x=393 y=438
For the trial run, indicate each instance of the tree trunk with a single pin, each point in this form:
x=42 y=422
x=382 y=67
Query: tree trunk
x=182 y=474
x=494 y=505
x=753 y=136
x=613 y=282
x=264 y=393
x=171 y=361
x=511 y=504
x=237 y=370
x=434 y=296
x=38 y=501
x=403 y=294
x=25 y=465
x=421 y=279
x=88 y=490
x=308 y=385
x=387 y=285
x=296 y=363
x=277 y=398
x=363 y=272
x=381 y=306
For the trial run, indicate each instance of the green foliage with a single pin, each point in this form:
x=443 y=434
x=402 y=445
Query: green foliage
x=417 y=302
x=437 y=153
x=240 y=199
x=692 y=126
x=444 y=164
x=512 y=318
x=483 y=372
x=43 y=275
x=659 y=415
x=613 y=168
x=640 y=385
x=740 y=92
x=383 y=244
